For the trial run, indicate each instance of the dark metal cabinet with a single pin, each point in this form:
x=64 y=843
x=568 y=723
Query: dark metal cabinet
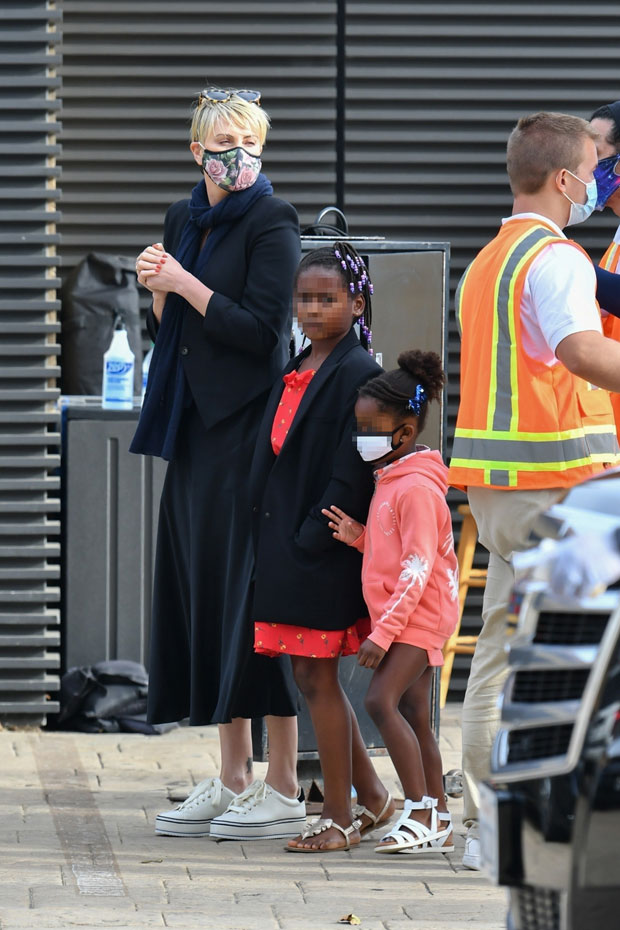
x=110 y=505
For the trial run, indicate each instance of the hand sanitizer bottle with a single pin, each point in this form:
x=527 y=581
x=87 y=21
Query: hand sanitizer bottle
x=118 y=364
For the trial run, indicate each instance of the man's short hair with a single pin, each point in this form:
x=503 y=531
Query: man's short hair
x=541 y=144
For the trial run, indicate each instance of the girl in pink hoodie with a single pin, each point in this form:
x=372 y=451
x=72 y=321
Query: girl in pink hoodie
x=410 y=585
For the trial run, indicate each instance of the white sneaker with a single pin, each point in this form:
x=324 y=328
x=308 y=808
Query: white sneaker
x=472 y=858
x=193 y=817
x=260 y=813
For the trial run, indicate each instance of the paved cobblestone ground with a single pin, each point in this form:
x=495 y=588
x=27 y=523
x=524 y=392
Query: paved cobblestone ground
x=77 y=849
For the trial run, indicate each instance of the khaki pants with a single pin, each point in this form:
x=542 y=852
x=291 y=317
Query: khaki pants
x=504 y=520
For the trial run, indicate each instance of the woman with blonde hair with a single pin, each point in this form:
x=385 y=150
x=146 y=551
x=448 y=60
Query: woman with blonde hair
x=221 y=321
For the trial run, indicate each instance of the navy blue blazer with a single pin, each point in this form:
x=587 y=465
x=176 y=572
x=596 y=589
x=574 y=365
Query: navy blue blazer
x=303 y=575
x=238 y=349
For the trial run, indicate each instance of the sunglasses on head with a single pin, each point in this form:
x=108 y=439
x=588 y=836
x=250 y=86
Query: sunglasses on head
x=217 y=95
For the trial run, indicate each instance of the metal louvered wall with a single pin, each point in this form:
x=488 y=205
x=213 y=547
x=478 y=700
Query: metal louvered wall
x=130 y=71
x=431 y=92
x=28 y=358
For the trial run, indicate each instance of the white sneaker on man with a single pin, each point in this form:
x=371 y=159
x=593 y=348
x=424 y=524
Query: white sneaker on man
x=260 y=813
x=472 y=857
x=194 y=816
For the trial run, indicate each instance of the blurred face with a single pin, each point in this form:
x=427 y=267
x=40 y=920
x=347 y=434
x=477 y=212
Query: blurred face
x=605 y=145
x=371 y=419
x=400 y=433
x=325 y=308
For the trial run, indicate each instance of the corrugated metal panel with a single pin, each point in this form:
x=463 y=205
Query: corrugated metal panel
x=29 y=436
x=432 y=92
x=129 y=76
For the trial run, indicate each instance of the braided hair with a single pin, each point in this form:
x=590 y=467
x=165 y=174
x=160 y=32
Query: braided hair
x=406 y=390
x=346 y=260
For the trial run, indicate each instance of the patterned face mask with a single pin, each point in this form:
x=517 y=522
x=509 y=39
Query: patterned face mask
x=232 y=170
x=607 y=177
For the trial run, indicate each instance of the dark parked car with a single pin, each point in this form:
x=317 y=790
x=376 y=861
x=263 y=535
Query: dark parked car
x=550 y=812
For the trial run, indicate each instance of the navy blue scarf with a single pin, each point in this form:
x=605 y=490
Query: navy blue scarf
x=166 y=391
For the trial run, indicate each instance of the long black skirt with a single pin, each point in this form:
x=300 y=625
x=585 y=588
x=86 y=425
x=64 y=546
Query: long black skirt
x=202 y=664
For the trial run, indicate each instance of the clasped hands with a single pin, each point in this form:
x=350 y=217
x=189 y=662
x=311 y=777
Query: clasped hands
x=158 y=270
x=347 y=530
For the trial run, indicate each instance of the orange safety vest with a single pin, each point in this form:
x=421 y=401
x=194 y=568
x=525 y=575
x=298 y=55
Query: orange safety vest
x=611 y=324
x=521 y=424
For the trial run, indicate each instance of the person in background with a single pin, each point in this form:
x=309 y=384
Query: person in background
x=606 y=121
x=221 y=322
x=531 y=421
x=410 y=583
x=307 y=589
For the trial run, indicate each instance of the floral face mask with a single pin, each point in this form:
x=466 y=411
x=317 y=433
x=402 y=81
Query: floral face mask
x=232 y=170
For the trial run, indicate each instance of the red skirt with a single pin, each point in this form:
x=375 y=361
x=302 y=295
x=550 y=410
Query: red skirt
x=275 y=639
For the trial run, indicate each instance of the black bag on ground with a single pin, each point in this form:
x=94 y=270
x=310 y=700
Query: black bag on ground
x=108 y=697
x=97 y=291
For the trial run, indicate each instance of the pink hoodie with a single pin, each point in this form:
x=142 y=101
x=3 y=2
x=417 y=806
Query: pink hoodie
x=410 y=572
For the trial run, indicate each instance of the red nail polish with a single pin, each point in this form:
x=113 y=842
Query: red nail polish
x=158 y=268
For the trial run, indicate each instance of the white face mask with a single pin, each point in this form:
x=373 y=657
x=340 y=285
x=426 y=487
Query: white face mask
x=579 y=212
x=374 y=447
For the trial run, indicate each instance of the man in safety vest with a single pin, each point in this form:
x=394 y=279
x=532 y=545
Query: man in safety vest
x=532 y=419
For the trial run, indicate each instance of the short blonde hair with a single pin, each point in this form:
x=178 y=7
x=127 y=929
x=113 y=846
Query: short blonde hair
x=241 y=113
x=541 y=144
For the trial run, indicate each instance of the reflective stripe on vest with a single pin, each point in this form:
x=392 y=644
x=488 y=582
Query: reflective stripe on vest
x=503 y=409
x=611 y=324
x=501 y=458
x=500 y=450
x=457 y=299
x=609 y=261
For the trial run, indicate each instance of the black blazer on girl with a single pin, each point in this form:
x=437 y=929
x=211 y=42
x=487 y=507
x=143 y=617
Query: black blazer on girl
x=303 y=575
x=237 y=350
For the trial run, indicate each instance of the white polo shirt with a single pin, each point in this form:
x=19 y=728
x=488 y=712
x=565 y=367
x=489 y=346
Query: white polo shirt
x=558 y=296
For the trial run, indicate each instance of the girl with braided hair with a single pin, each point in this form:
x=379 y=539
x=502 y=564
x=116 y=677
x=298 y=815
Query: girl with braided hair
x=307 y=588
x=410 y=584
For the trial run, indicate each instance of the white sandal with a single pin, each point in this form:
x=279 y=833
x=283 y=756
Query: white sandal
x=316 y=827
x=408 y=833
x=436 y=845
